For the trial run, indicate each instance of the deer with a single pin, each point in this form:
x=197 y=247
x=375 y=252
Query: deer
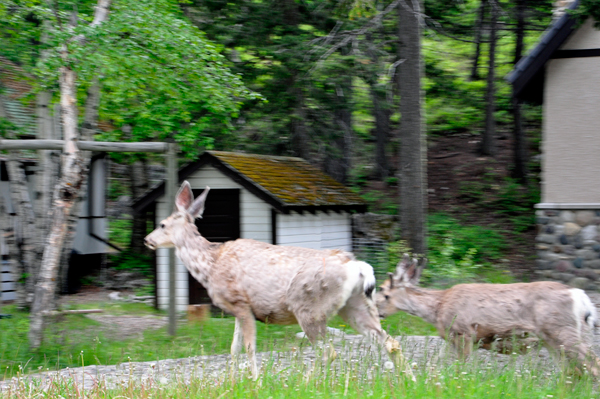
x=253 y=280
x=497 y=317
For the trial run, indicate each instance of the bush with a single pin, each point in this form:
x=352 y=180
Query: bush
x=457 y=253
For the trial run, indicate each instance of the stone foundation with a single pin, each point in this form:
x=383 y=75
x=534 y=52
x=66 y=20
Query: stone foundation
x=568 y=247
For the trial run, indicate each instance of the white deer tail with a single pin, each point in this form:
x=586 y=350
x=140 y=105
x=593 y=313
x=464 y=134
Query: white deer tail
x=583 y=308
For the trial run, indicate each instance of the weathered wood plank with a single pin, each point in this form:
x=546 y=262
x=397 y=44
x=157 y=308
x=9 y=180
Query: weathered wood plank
x=101 y=146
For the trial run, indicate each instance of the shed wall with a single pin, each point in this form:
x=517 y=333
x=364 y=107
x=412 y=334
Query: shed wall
x=320 y=231
x=571 y=140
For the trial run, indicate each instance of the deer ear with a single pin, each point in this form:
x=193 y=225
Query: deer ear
x=402 y=266
x=184 y=197
x=413 y=273
x=197 y=207
x=391 y=276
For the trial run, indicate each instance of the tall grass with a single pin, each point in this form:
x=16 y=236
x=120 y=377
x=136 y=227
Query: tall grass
x=354 y=379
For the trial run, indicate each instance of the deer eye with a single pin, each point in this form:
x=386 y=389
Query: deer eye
x=162 y=225
x=387 y=297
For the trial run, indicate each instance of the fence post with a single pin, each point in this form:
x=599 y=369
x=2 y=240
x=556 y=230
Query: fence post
x=171 y=187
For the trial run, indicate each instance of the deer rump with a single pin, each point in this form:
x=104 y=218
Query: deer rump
x=496 y=314
x=287 y=285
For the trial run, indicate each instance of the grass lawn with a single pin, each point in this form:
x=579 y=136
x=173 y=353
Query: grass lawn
x=77 y=337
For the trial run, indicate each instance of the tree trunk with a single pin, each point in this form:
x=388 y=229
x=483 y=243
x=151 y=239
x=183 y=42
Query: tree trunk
x=65 y=195
x=382 y=114
x=25 y=232
x=413 y=150
x=300 y=141
x=88 y=129
x=520 y=142
x=478 y=34
x=382 y=131
x=139 y=184
x=487 y=142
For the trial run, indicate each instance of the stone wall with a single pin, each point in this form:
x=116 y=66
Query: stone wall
x=568 y=247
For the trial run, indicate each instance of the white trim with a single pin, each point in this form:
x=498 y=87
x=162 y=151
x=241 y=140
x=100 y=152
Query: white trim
x=583 y=205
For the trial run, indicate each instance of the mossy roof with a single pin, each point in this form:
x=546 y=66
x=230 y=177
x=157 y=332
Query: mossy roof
x=292 y=181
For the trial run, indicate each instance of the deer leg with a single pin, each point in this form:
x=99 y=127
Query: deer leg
x=236 y=345
x=570 y=345
x=248 y=332
x=315 y=329
x=362 y=315
x=463 y=344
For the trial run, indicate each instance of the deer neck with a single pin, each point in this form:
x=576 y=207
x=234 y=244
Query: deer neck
x=423 y=303
x=195 y=252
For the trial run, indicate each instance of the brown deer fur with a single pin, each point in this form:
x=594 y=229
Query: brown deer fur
x=253 y=280
x=494 y=315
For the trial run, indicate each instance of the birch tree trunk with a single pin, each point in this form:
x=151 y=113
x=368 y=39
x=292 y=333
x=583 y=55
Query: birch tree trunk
x=47 y=168
x=413 y=146
x=88 y=129
x=65 y=193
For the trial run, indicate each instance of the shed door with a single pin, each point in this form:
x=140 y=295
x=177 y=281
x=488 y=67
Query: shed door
x=220 y=222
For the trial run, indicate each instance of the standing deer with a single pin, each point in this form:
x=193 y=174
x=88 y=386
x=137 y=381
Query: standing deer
x=496 y=315
x=253 y=280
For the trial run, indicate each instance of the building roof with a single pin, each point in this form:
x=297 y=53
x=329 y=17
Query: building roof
x=527 y=77
x=286 y=183
x=14 y=87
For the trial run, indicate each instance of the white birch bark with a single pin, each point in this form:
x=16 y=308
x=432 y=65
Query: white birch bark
x=65 y=194
x=88 y=129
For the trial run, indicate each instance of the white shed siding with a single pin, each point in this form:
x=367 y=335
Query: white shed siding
x=571 y=142
x=255 y=223
x=320 y=231
x=336 y=232
x=299 y=230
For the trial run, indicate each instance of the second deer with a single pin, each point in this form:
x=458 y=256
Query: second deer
x=253 y=280
x=496 y=316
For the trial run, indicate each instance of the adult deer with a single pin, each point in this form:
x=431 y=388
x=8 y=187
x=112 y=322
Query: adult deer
x=253 y=280
x=496 y=316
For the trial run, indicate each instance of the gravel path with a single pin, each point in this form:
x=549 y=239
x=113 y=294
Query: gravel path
x=421 y=351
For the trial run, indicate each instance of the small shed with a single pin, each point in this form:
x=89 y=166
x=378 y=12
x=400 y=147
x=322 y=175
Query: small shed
x=278 y=200
x=561 y=73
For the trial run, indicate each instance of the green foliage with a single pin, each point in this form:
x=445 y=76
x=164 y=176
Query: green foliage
x=128 y=260
x=586 y=9
x=159 y=74
x=119 y=232
x=457 y=253
x=516 y=202
x=488 y=243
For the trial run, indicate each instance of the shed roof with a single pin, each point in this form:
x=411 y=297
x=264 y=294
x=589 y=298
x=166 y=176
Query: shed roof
x=527 y=77
x=286 y=183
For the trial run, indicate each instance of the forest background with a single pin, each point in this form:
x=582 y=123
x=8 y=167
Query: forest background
x=315 y=79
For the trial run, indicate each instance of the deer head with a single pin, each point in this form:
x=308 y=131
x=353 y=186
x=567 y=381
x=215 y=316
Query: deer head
x=186 y=210
x=392 y=296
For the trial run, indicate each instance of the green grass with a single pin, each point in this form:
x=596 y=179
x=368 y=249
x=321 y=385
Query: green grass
x=78 y=340
x=65 y=342
x=348 y=379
